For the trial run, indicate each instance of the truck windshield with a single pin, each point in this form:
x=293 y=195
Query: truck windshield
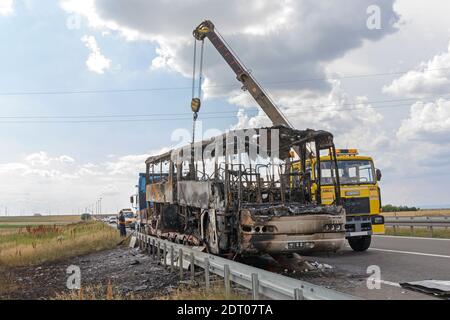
x=350 y=172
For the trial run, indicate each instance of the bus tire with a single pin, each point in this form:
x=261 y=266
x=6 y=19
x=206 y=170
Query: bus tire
x=361 y=243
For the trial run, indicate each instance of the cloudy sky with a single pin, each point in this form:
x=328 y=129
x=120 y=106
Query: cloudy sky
x=90 y=88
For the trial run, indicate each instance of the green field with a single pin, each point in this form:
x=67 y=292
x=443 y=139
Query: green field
x=37 y=220
x=10 y=225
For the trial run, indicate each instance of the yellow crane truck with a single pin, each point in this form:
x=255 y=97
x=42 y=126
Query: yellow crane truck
x=360 y=193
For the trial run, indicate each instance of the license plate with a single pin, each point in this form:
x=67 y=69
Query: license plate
x=298 y=245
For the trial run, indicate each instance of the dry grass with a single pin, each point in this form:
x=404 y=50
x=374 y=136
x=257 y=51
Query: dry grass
x=38 y=244
x=7 y=231
x=97 y=292
x=109 y=292
x=418 y=232
x=216 y=292
x=7 y=285
x=420 y=213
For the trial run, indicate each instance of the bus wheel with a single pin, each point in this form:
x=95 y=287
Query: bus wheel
x=361 y=243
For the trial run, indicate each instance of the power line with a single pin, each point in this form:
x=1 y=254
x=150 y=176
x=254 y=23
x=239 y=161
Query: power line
x=175 y=115
x=292 y=112
x=136 y=90
x=109 y=115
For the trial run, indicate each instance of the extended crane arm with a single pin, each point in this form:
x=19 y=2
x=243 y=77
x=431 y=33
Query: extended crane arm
x=206 y=30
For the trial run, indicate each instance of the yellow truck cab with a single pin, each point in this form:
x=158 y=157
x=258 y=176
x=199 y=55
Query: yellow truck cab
x=360 y=194
x=130 y=218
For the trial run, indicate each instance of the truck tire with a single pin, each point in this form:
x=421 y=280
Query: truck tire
x=361 y=243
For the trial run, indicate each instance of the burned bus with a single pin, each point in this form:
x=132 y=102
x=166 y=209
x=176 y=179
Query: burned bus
x=236 y=194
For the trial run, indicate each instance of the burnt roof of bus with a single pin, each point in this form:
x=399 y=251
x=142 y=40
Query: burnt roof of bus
x=287 y=138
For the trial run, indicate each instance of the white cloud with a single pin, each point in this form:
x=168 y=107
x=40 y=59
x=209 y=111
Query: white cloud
x=430 y=78
x=265 y=33
x=428 y=122
x=41 y=158
x=63 y=184
x=6 y=7
x=130 y=164
x=96 y=61
x=353 y=121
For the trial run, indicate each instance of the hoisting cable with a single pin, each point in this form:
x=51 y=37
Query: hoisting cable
x=193 y=90
x=200 y=76
x=200 y=81
x=196 y=102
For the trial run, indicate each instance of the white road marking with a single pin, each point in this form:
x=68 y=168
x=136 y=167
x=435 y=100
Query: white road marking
x=415 y=238
x=410 y=252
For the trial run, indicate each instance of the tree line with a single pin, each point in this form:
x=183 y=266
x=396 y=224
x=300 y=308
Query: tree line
x=392 y=208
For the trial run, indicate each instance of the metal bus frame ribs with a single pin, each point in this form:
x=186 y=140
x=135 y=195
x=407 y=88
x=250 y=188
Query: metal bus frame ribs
x=238 y=210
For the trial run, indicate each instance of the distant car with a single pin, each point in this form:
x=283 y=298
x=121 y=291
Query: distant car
x=112 y=220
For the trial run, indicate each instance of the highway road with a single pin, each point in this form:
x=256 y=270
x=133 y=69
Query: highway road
x=401 y=259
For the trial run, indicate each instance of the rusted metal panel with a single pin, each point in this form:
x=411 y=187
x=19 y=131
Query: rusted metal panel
x=195 y=193
x=160 y=192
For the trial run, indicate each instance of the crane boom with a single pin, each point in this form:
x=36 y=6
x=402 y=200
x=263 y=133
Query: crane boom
x=206 y=30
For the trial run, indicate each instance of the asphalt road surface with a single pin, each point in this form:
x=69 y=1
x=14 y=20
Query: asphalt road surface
x=401 y=259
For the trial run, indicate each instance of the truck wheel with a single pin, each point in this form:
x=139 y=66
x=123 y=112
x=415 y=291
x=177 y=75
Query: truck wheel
x=361 y=243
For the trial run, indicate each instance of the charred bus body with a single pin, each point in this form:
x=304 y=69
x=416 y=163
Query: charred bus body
x=235 y=194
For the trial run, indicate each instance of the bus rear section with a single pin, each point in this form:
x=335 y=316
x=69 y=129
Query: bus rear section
x=304 y=231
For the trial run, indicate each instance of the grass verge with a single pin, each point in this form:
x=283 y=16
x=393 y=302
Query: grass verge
x=37 y=244
x=418 y=232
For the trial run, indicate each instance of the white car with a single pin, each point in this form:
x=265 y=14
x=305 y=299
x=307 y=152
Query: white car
x=112 y=220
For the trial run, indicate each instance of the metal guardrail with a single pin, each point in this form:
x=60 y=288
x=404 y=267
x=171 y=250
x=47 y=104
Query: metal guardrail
x=418 y=221
x=261 y=282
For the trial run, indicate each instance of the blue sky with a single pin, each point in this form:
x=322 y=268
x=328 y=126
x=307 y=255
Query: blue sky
x=44 y=55
x=149 y=45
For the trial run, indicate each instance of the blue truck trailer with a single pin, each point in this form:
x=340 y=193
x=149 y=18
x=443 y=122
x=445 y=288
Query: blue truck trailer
x=143 y=206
